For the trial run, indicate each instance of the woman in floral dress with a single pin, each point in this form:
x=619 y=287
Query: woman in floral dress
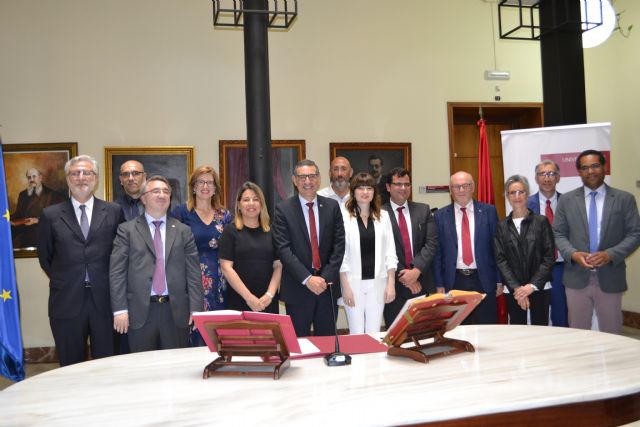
x=207 y=218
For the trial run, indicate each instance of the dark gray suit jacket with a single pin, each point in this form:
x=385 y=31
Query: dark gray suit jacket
x=619 y=236
x=424 y=239
x=132 y=265
x=294 y=248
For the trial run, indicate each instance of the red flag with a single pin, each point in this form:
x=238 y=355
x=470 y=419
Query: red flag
x=485 y=183
x=485 y=194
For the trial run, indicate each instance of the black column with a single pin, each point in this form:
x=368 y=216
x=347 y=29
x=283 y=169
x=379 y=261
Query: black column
x=256 y=67
x=562 y=63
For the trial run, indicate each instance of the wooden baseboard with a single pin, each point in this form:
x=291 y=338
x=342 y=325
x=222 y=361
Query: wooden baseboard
x=631 y=319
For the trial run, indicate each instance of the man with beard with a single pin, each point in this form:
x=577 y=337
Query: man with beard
x=375 y=170
x=31 y=202
x=74 y=246
x=132 y=177
x=340 y=174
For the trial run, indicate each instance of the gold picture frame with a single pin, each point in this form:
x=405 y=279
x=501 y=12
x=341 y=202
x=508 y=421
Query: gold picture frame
x=49 y=159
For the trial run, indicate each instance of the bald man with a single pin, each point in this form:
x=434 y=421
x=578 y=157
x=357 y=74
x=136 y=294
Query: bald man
x=465 y=259
x=340 y=174
x=132 y=178
x=31 y=202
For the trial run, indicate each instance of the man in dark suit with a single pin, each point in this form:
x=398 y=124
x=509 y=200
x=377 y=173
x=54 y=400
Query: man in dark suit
x=465 y=259
x=309 y=236
x=132 y=178
x=545 y=202
x=415 y=248
x=596 y=227
x=375 y=170
x=155 y=275
x=74 y=245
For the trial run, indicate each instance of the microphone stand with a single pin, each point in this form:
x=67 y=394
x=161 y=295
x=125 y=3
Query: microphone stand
x=337 y=358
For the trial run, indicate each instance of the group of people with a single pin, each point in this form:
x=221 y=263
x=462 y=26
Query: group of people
x=135 y=267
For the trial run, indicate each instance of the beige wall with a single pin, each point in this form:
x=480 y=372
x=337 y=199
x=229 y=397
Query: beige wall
x=156 y=72
x=613 y=91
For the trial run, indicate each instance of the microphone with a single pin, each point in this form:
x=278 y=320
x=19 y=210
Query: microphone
x=337 y=358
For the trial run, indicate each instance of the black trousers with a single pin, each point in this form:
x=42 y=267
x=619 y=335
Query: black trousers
x=538 y=307
x=314 y=310
x=487 y=311
x=71 y=335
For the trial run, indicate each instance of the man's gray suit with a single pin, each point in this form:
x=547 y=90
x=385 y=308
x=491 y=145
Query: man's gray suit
x=132 y=266
x=619 y=236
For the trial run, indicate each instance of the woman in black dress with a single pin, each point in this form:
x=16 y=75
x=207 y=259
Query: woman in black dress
x=248 y=256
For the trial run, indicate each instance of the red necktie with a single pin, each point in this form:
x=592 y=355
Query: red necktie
x=548 y=212
x=467 y=254
x=406 y=241
x=315 y=252
x=157 y=282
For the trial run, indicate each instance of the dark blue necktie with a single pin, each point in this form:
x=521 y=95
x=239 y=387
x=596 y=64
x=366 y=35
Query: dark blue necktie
x=593 y=223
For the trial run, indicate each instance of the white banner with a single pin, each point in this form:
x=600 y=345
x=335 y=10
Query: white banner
x=523 y=149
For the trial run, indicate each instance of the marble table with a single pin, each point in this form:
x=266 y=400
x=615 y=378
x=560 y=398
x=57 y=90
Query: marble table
x=518 y=375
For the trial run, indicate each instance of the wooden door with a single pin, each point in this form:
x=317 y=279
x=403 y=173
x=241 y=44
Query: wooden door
x=464 y=137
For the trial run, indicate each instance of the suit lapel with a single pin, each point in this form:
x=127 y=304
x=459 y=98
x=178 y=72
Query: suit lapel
x=478 y=220
x=97 y=216
x=450 y=214
x=609 y=200
x=170 y=237
x=582 y=211
x=143 y=229
x=69 y=217
x=299 y=216
x=415 y=226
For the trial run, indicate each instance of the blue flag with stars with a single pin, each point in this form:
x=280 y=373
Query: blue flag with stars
x=11 y=355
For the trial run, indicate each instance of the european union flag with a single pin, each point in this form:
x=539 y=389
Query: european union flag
x=11 y=356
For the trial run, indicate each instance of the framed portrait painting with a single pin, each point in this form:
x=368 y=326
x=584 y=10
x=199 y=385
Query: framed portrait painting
x=35 y=179
x=376 y=158
x=234 y=167
x=173 y=162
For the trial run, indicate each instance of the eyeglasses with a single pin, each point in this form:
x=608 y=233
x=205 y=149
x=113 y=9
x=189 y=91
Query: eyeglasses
x=134 y=174
x=77 y=174
x=462 y=187
x=401 y=184
x=201 y=183
x=594 y=166
x=516 y=193
x=158 y=191
x=310 y=177
x=549 y=174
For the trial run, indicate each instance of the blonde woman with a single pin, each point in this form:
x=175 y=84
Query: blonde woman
x=248 y=255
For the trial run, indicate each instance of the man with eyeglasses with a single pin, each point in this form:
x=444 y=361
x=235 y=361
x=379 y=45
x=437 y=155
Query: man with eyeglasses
x=545 y=202
x=416 y=239
x=155 y=275
x=74 y=246
x=465 y=260
x=596 y=228
x=309 y=237
x=132 y=178
x=31 y=202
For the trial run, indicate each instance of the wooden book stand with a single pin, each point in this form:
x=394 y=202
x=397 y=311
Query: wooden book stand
x=247 y=338
x=429 y=318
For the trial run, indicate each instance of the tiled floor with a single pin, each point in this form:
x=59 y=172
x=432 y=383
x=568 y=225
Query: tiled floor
x=38 y=368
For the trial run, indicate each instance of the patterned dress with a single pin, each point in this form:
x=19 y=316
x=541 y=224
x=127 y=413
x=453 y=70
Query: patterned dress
x=207 y=237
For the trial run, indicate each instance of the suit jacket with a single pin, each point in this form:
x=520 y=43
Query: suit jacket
x=133 y=262
x=291 y=237
x=486 y=220
x=385 y=253
x=619 y=236
x=533 y=203
x=65 y=255
x=424 y=240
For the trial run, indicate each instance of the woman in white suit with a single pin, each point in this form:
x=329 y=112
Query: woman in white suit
x=367 y=274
